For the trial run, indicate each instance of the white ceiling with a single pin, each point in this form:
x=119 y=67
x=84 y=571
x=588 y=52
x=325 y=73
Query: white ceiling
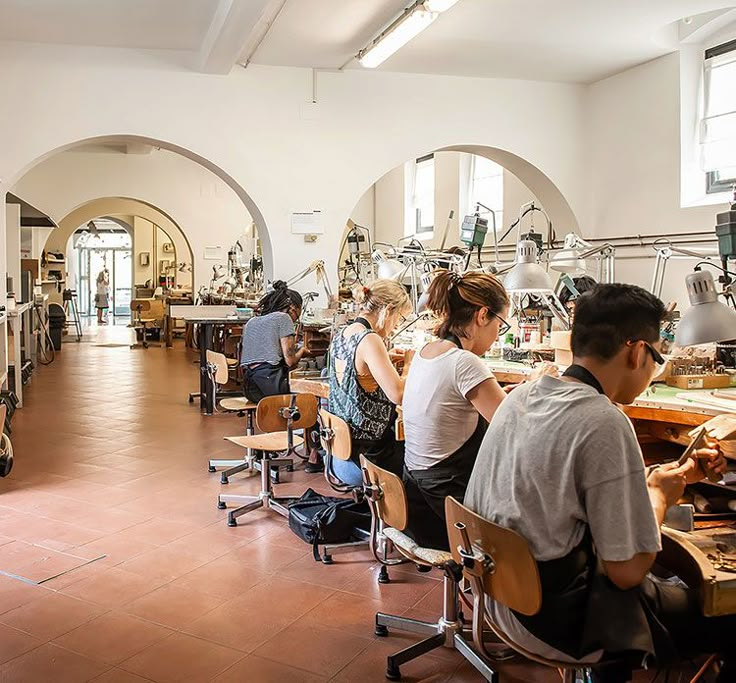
x=561 y=40
x=141 y=24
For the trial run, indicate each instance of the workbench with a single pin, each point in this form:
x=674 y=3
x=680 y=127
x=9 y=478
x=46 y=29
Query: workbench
x=207 y=318
x=20 y=323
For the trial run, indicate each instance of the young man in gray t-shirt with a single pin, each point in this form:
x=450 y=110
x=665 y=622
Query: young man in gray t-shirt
x=561 y=465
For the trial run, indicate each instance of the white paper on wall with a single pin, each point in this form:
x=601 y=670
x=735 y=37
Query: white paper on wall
x=307 y=223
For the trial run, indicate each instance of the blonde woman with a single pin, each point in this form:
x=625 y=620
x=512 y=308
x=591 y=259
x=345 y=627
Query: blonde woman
x=102 y=296
x=364 y=384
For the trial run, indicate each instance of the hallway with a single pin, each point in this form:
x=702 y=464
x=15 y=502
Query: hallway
x=110 y=492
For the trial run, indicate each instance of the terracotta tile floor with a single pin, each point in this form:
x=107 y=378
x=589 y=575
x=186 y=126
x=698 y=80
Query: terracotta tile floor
x=111 y=459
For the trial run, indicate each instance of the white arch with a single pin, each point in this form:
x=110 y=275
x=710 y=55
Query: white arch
x=256 y=214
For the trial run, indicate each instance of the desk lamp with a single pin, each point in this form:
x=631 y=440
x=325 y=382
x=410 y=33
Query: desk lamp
x=571 y=259
x=528 y=277
x=707 y=320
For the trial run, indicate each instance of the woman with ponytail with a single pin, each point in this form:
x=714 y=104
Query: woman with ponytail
x=364 y=384
x=450 y=397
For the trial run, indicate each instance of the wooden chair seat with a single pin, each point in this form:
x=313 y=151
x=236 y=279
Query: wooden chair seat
x=272 y=442
x=415 y=552
x=232 y=362
x=237 y=404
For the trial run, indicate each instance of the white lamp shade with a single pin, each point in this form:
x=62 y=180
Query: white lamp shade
x=389 y=269
x=422 y=302
x=568 y=261
x=707 y=320
x=527 y=275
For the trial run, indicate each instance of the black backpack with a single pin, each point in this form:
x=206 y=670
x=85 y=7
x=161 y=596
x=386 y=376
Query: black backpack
x=319 y=519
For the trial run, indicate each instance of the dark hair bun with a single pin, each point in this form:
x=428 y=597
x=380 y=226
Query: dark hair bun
x=279 y=284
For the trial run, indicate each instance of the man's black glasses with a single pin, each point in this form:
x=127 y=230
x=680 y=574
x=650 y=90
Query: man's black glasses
x=656 y=355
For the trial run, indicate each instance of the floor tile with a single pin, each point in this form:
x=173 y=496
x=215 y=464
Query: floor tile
x=113 y=587
x=14 y=643
x=14 y=593
x=319 y=650
x=254 y=668
x=181 y=657
x=112 y=637
x=119 y=676
x=51 y=663
x=226 y=577
x=163 y=563
x=404 y=591
x=116 y=548
x=51 y=616
x=370 y=666
x=173 y=606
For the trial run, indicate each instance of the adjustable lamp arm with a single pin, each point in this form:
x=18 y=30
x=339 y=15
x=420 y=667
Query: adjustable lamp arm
x=317 y=267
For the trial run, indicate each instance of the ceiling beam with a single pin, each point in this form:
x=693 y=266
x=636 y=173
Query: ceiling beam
x=235 y=26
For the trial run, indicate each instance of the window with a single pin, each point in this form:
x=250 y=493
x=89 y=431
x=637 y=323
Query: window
x=423 y=196
x=718 y=125
x=486 y=187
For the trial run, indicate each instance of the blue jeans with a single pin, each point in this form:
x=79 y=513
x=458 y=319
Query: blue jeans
x=347 y=471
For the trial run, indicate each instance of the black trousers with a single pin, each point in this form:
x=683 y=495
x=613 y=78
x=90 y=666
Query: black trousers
x=426 y=491
x=265 y=380
x=387 y=452
x=272 y=380
x=678 y=609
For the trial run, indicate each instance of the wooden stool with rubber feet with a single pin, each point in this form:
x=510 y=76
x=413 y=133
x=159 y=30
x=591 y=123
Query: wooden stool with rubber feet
x=277 y=417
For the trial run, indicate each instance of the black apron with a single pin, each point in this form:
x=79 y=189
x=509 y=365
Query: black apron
x=264 y=379
x=426 y=490
x=583 y=611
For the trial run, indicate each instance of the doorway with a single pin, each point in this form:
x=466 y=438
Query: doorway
x=99 y=250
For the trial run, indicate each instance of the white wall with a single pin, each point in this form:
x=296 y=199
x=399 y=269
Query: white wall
x=143 y=243
x=633 y=124
x=206 y=209
x=12 y=246
x=250 y=126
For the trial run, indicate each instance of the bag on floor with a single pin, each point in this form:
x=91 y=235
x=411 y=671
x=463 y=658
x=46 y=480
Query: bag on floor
x=319 y=519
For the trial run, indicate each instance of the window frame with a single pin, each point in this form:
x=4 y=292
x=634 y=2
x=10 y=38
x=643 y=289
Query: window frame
x=423 y=231
x=714 y=184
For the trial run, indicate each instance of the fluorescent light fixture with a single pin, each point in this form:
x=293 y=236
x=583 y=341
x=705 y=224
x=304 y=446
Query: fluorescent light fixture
x=414 y=20
x=439 y=5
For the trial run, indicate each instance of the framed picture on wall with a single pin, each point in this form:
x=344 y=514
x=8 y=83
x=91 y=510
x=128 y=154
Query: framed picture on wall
x=144 y=258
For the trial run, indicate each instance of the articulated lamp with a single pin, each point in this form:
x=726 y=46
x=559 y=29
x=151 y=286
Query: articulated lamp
x=527 y=275
x=707 y=320
x=571 y=259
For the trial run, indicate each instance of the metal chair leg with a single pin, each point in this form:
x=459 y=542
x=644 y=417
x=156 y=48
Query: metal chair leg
x=264 y=499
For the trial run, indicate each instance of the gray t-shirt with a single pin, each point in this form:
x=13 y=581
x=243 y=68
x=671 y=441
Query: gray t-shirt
x=262 y=338
x=559 y=457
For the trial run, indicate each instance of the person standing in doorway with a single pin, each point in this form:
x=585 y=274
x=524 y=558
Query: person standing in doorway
x=102 y=303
